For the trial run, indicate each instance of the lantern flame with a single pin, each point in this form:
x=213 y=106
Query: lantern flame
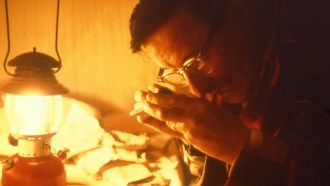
x=33 y=115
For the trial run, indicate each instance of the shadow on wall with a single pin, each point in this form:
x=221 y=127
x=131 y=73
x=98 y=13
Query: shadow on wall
x=104 y=106
x=112 y=118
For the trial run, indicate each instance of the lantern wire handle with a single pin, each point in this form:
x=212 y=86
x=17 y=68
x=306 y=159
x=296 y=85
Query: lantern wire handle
x=8 y=38
x=56 y=36
x=8 y=41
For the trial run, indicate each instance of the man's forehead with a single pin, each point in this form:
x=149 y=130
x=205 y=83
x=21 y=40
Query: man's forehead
x=173 y=42
x=150 y=52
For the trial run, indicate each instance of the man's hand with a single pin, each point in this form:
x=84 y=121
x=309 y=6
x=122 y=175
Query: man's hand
x=211 y=129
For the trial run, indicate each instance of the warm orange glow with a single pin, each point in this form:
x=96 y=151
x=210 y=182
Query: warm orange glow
x=33 y=114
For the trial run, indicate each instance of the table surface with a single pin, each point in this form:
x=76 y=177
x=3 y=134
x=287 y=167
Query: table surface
x=176 y=176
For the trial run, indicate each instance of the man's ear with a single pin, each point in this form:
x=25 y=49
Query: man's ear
x=239 y=13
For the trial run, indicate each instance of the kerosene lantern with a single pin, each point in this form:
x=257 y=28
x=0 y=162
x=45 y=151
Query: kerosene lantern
x=33 y=107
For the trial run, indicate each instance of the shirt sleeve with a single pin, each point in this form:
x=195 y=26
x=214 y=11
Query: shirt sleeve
x=260 y=161
x=300 y=158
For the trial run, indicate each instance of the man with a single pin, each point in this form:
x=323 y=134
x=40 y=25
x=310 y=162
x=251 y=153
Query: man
x=247 y=65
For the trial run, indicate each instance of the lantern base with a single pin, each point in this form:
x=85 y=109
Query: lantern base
x=36 y=171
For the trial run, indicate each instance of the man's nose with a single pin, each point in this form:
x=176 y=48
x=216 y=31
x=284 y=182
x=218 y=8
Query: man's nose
x=200 y=85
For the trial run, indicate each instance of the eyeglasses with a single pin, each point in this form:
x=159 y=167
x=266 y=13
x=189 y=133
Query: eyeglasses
x=177 y=77
x=196 y=64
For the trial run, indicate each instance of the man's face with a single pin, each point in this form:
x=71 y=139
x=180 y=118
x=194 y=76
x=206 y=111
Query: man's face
x=230 y=54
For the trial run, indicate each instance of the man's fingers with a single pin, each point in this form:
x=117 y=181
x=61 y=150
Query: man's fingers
x=171 y=100
x=159 y=89
x=158 y=126
x=140 y=96
x=163 y=113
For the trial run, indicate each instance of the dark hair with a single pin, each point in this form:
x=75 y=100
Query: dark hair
x=149 y=15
